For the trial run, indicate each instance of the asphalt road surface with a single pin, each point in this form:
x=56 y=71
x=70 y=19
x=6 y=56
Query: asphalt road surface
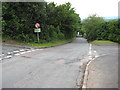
x=6 y=48
x=104 y=69
x=46 y=68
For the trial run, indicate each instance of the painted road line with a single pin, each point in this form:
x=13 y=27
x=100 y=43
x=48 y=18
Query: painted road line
x=90 y=48
x=32 y=49
x=7 y=57
x=90 y=52
x=2 y=55
x=28 y=51
x=10 y=53
x=87 y=67
x=16 y=51
x=92 y=56
x=22 y=50
x=17 y=54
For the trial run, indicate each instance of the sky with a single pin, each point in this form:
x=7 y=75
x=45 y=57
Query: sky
x=85 y=8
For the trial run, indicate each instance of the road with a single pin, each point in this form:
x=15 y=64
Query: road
x=53 y=67
x=103 y=71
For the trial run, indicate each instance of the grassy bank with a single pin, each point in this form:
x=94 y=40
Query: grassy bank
x=33 y=44
x=49 y=44
x=97 y=42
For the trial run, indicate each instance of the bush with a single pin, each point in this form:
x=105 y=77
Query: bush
x=101 y=30
x=3 y=27
x=52 y=33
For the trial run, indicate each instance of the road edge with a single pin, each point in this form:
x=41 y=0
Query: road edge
x=92 y=56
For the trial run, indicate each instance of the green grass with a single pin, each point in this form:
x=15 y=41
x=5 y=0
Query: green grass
x=33 y=44
x=102 y=42
x=49 y=44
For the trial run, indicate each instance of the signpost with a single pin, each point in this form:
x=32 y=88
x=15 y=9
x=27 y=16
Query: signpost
x=37 y=25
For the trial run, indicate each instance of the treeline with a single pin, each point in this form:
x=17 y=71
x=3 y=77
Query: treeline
x=96 y=28
x=57 y=22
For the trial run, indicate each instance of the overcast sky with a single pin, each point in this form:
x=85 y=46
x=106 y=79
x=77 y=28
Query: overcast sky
x=103 y=8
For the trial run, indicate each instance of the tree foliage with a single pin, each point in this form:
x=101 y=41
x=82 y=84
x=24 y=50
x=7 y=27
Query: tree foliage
x=90 y=26
x=96 y=28
x=57 y=22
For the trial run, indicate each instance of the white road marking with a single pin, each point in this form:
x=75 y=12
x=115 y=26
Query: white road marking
x=3 y=54
x=92 y=56
x=8 y=57
x=90 y=47
x=28 y=51
x=16 y=51
x=17 y=54
x=22 y=50
x=9 y=52
x=90 y=52
x=33 y=50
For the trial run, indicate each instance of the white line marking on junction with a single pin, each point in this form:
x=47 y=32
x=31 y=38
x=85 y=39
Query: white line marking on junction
x=32 y=50
x=17 y=54
x=90 y=52
x=16 y=51
x=28 y=51
x=8 y=57
x=22 y=50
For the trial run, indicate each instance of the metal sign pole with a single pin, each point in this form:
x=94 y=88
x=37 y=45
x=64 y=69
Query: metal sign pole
x=38 y=36
x=37 y=25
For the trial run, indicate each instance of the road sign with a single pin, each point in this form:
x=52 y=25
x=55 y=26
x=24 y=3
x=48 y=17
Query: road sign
x=37 y=30
x=37 y=25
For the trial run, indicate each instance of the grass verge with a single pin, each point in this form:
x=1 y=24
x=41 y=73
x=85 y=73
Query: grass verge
x=49 y=44
x=102 y=42
x=40 y=45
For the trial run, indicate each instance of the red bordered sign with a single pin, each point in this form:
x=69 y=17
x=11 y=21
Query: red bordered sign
x=37 y=25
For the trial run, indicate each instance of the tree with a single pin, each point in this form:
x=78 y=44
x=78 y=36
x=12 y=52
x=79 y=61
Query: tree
x=57 y=22
x=91 y=26
x=96 y=28
x=68 y=20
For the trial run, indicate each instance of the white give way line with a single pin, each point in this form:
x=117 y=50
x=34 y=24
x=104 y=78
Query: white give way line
x=16 y=53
